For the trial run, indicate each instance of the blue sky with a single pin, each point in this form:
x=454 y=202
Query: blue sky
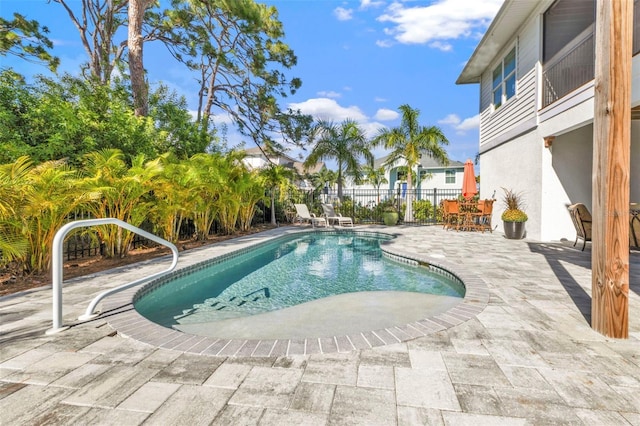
x=357 y=59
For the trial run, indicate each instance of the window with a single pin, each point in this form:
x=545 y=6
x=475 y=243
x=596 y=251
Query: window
x=450 y=176
x=504 y=79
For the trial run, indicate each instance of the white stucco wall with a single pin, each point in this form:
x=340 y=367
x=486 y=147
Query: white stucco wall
x=517 y=166
x=567 y=180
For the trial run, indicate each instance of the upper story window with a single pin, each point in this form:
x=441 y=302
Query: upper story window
x=450 y=176
x=504 y=79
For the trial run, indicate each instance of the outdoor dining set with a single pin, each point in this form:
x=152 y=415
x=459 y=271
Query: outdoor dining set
x=467 y=215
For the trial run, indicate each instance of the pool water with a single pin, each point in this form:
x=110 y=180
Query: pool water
x=285 y=273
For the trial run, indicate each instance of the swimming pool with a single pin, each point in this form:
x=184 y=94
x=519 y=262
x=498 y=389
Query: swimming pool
x=288 y=274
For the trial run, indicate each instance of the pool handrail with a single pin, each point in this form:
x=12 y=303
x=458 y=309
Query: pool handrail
x=57 y=267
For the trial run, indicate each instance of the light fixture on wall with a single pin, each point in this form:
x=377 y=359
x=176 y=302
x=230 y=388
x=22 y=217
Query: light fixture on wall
x=548 y=141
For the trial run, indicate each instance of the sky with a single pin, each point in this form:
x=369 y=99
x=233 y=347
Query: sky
x=356 y=59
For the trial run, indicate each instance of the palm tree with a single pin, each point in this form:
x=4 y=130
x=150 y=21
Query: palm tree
x=277 y=177
x=174 y=193
x=124 y=194
x=375 y=177
x=251 y=191
x=345 y=143
x=15 y=191
x=323 y=177
x=409 y=142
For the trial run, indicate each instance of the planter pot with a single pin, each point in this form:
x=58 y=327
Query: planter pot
x=390 y=218
x=514 y=230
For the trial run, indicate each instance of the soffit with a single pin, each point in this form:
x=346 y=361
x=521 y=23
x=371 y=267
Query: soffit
x=510 y=18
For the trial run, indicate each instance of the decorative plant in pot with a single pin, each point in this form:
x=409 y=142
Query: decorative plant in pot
x=390 y=214
x=513 y=218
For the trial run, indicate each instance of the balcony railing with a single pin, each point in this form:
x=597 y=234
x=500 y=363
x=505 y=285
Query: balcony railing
x=575 y=67
x=568 y=72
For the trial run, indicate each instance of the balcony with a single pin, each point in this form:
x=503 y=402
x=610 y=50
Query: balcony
x=574 y=65
x=568 y=70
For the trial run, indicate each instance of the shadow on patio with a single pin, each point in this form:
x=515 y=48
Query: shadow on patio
x=561 y=253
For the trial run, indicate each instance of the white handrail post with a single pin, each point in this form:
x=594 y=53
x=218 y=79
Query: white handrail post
x=57 y=267
x=56 y=278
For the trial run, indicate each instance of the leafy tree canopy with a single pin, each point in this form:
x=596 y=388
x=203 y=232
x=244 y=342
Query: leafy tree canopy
x=26 y=39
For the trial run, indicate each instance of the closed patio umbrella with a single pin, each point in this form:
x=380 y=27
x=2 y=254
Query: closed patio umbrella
x=469 y=187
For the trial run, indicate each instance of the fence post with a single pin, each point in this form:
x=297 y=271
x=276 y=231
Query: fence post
x=435 y=205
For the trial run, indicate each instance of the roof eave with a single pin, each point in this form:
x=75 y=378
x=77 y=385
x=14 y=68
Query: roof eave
x=510 y=17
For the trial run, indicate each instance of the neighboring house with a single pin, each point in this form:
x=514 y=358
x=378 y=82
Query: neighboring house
x=535 y=67
x=255 y=159
x=433 y=174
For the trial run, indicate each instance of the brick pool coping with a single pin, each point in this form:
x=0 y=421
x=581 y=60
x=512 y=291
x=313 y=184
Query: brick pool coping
x=120 y=314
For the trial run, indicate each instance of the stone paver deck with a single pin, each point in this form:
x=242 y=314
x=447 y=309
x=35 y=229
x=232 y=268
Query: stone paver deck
x=524 y=353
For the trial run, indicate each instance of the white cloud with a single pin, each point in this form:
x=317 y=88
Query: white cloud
x=384 y=43
x=384 y=114
x=445 y=47
x=379 y=99
x=371 y=129
x=365 y=4
x=329 y=94
x=451 y=119
x=329 y=109
x=470 y=123
x=222 y=118
x=343 y=14
x=442 y=20
x=461 y=126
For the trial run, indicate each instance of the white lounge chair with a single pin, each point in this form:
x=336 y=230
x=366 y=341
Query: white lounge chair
x=331 y=216
x=303 y=214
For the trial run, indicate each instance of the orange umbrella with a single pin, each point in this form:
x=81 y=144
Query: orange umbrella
x=469 y=187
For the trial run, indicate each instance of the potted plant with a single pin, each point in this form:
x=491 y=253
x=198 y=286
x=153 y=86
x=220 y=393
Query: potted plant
x=390 y=214
x=513 y=218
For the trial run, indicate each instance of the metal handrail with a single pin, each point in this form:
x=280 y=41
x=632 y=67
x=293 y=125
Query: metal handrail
x=57 y=268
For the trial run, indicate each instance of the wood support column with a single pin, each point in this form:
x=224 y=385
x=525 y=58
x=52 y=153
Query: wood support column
x=611 y=156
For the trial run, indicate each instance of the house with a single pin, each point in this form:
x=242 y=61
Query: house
x=535 y=68
x=255 y=158
x=433 y=175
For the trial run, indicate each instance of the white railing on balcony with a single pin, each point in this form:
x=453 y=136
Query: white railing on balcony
x=568 y=71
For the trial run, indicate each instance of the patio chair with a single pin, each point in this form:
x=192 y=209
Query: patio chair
x=582 y=221
x=303 y=215
x=331 y=216
x=450 y=214
x=483 y=215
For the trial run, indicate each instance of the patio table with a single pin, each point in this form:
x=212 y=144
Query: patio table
x=467 y=210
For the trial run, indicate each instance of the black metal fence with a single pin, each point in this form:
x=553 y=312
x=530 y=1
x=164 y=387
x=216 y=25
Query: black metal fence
x=363 y=205
x=367 y=205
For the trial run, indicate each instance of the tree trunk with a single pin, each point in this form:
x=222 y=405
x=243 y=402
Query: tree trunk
x=273 y=207
x=136 y=64
x=408 y=213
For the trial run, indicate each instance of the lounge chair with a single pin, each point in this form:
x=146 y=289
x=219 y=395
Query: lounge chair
x=304 y=215
x=331 y=216
x=582 y=221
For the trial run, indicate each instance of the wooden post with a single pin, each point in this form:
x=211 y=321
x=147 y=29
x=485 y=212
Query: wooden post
x=611 y=156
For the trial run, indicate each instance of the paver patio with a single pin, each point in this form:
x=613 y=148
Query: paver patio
x=528 y=357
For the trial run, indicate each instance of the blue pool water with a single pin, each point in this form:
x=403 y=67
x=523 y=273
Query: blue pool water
x=285 y=273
